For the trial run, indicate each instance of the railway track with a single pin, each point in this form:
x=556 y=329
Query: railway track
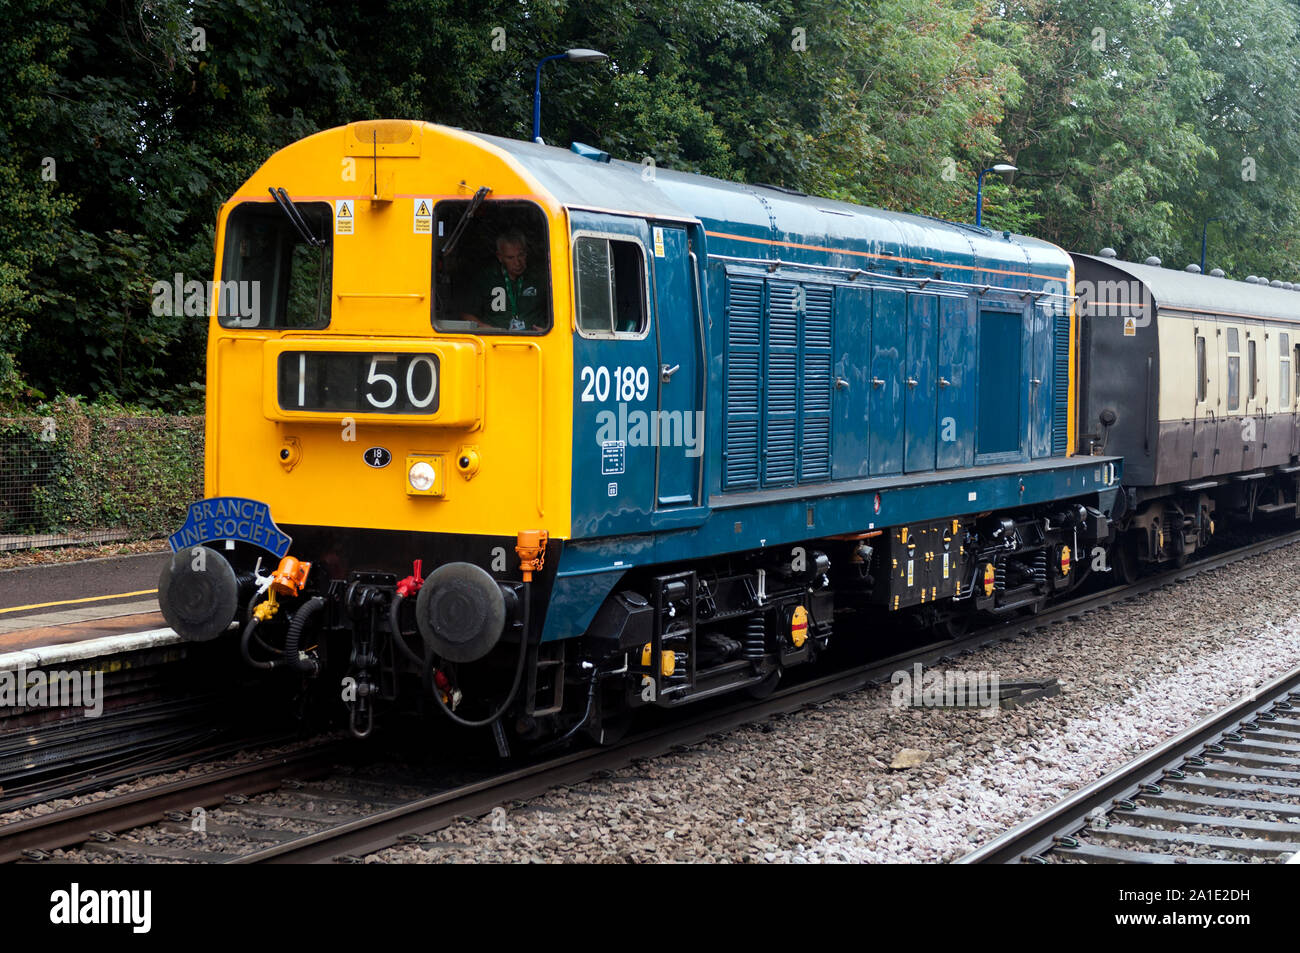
x=1227 y=790
x=347 y=817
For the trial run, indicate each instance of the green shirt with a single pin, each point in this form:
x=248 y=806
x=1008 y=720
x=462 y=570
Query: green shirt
x=511 y=304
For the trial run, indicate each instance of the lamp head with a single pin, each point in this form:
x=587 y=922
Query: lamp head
x=584 y=56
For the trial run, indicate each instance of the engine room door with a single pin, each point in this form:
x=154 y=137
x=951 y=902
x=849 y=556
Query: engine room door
x=678 y=333
x=888 y=351
x=956 y=370
x=919 y=382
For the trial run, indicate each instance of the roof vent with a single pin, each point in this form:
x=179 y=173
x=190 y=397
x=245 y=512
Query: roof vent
x=1108 y=253
x=589 y=152
x=1275 y=283
x=1216 y=273
x=1153 y=261
x=1193 y=268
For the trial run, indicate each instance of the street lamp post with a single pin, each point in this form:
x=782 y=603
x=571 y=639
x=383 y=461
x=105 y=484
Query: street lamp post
x=573 y=56
x=979 y=188
x=1204 y=229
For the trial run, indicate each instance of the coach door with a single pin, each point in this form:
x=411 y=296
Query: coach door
x=1207 y=344
x=678 y=332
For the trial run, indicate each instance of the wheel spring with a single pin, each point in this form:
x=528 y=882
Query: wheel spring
x=1039 y=567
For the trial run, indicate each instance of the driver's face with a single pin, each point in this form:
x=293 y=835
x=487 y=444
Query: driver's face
x=514 y=257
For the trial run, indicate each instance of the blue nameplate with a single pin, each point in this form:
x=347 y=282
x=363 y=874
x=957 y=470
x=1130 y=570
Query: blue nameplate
x=231 y=517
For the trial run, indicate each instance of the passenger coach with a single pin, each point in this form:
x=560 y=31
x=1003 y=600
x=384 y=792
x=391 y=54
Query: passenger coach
x=1193 y=380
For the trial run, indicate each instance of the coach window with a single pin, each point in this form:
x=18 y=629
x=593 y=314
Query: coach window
x=1202 y=378
x=1234 y=369
x=609 y=279
x=1284 y=370
x=491 y=267
x=273 y=273
x=1251 y=367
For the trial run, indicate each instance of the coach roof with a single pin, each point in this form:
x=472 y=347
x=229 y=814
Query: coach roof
x=1204 y=294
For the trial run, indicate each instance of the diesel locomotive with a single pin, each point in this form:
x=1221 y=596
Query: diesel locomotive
x=534 y=437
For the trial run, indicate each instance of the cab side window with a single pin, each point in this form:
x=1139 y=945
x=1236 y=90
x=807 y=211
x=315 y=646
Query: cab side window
x=609 y=280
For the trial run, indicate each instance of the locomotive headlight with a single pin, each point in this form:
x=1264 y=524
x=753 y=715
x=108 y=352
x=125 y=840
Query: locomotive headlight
x=424 y=475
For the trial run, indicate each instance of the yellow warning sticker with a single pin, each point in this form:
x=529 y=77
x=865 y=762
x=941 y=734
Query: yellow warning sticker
x=1130 y=327
x=423 y=216
x=343 y=217
x=659 y=242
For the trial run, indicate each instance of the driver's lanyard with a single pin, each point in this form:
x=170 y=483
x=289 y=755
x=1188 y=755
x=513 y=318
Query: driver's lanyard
x=511 y=294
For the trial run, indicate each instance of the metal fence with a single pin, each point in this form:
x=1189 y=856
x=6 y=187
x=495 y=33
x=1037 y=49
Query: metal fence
x=89 y=477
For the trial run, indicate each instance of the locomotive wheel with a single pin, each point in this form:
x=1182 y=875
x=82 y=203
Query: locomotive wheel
x=955 y=625
x=1124 y=561
x=761 y=690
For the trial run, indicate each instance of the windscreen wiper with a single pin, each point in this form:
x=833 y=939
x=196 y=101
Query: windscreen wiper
x=459 y=230
x=295 y=217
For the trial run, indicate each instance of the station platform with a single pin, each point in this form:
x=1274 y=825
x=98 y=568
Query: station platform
x=68 y=611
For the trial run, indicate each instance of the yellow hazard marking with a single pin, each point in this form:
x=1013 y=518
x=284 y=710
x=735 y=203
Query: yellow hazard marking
x=69 y=602
x=343 y=217
x=423 y=224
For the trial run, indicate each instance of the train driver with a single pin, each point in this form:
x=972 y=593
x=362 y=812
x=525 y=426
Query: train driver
x=509 y=296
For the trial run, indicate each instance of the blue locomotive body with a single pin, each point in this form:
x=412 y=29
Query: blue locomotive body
x=793 y=369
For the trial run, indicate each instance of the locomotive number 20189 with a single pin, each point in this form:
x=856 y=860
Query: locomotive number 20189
x=356 y=382
x=622 y=383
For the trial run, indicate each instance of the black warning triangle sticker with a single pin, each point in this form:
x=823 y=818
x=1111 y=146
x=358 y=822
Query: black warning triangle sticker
x=345 y=211
x=423 y=209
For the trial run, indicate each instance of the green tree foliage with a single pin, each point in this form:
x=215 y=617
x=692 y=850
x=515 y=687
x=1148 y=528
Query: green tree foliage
x=125 y=124
x=1249 y=116
x=1102 y=132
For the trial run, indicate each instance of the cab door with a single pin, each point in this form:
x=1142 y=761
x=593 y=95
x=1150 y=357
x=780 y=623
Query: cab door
x=678 y=376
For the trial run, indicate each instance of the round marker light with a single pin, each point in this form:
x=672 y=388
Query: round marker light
x=421 y=477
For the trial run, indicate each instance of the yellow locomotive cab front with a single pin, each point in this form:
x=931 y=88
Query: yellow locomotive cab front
x=343 y=365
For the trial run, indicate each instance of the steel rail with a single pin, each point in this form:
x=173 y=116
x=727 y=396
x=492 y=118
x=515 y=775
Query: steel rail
x=1041 y=833
x=386 y=828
